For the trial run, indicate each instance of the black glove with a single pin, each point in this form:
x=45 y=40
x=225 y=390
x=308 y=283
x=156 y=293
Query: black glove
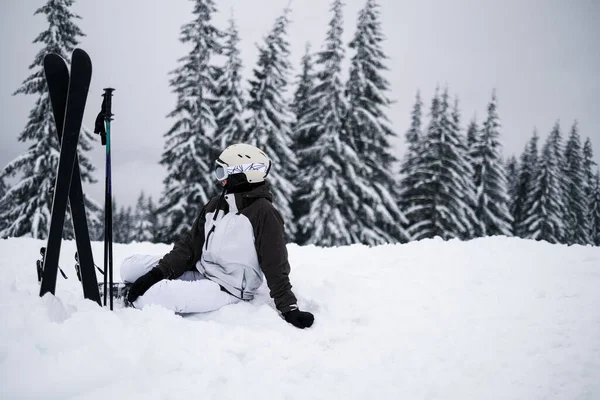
x=300 y=319
x=144 y=283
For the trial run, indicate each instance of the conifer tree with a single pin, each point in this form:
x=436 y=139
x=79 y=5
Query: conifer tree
x=588 y=163
x=143 y=226
x=577 y=227
x=128 y=225
x=544 y=215
x=414 y=135
x=231 y=100
x=370 y=132
x=491 y=185
x=269 y=125
x=305 y=84
x=408 y=170
x=418 y=184
x=512 y=171
x=154 y=219
x=472 y=134
x=557 y=148
x=188 y=149
x=4 y=206
x=469 y=196
x=123 y=225
x=588 y=168
x=594 y=211
x=526 y=174
x=116 y=223
x=328 y=162
x=443 y=194
x=31 y=199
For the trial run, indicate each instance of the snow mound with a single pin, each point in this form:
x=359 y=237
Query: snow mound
x=494 y=318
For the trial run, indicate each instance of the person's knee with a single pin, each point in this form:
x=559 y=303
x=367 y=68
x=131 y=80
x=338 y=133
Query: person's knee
x=137 y=265
x=165 y=293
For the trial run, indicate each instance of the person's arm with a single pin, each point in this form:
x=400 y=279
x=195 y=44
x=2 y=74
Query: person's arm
x=273 y=259
x=178 y=260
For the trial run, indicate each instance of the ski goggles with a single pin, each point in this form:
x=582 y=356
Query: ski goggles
x=222 y=170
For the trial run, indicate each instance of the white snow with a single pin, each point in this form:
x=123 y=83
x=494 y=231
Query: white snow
x=494 y=318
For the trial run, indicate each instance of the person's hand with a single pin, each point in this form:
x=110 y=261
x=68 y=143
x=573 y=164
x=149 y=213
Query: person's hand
x=300 y=319
x=143 y=283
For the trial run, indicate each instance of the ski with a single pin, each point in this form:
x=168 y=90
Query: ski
x=68 y=107
x=57 y=76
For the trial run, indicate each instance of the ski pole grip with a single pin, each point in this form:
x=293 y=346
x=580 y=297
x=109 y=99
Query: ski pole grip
x=108 y=98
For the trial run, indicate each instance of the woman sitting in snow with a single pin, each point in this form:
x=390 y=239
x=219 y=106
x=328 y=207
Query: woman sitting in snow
x=237 y=237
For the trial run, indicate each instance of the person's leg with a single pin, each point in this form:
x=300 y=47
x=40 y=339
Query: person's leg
x=137 y=265
x=186 y=296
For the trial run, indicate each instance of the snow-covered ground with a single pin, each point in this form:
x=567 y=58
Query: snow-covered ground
x=495 y=318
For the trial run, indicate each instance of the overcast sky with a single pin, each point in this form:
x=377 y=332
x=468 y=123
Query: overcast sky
x=542 y=56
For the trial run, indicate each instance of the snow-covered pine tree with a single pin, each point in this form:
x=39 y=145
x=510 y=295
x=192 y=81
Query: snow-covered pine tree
x=370 y=132
x=230 y=94
x=328 y=162
x=469 y=195
x=305 y=84
x=577 y=226
x=417 y=197
x=588 y=169
x=443 y=193
x=143 y=226
x=408 y=169
x=557 y=148
x=491 y=184
x=512 y=167
x=188 y=149
x=472 y=134
x=117 y=223
x=544 y=215
x=153 y=217
x=123 y=225
x=413 y=136
x=526 y=174
x=31 y=198
x=269 y=126
x=3 y=205
x=128 y=225
x=588 y=166
x=594 y=211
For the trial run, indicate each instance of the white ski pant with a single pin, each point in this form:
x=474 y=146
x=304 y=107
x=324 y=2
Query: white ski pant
x=192 y=292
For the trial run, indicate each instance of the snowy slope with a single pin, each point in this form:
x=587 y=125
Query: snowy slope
x=494 y=318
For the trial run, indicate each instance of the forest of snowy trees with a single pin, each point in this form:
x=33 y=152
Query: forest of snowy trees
x=337 y=179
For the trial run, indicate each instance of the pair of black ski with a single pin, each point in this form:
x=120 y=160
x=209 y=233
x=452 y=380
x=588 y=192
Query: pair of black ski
x=68 y=95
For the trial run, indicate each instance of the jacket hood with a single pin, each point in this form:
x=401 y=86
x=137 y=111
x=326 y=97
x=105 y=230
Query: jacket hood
x=258 y=191
x=246 y=194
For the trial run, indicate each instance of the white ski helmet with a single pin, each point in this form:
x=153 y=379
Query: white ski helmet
x=243 y=159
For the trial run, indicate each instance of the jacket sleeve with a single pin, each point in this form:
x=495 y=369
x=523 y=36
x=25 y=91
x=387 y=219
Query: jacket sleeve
x=273 y=259
x=185 y=252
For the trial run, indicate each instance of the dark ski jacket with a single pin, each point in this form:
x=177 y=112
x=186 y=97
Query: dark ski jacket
x=236 y=239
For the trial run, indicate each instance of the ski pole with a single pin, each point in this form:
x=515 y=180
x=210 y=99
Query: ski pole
x=104 y=130
x=108 y=118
